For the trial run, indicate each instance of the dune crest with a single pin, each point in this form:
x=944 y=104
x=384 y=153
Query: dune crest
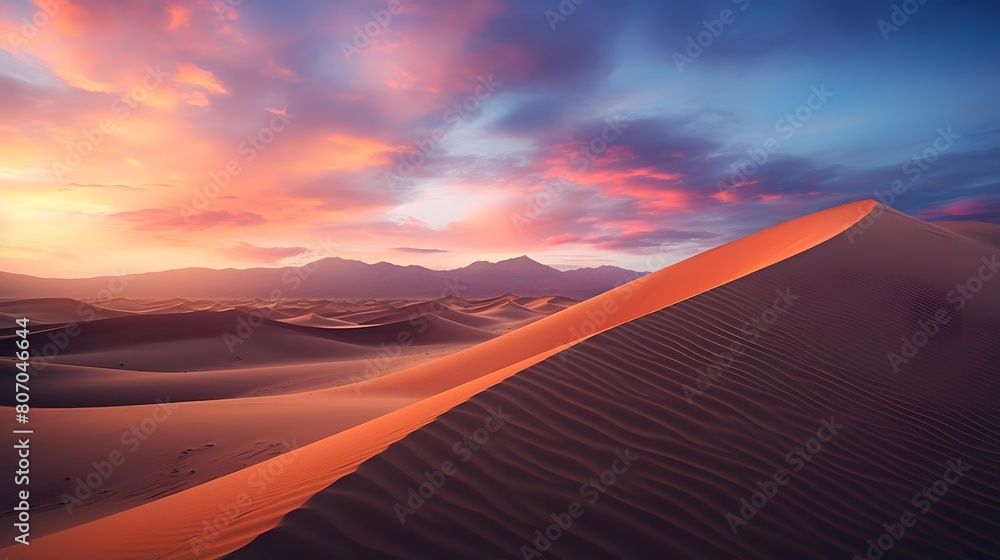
x=174 y=526
x=687 y=415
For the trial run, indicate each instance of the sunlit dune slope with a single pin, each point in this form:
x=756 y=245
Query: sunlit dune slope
x=820 y=347
x=174 y=527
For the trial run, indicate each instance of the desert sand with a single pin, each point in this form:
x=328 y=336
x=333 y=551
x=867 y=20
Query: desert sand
x=226 y=411
x=328 y=456
x=983 y=232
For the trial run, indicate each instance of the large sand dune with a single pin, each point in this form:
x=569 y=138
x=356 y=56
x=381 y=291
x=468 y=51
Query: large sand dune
x=982 y=232
x=624 y=389
x=816 y=307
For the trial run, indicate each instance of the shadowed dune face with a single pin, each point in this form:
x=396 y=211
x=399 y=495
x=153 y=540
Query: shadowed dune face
x=982 y=232
x=811 y=388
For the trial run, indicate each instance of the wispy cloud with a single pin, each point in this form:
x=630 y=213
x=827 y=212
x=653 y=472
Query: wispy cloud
x=417 y=250
x=145 y=151
x=112 y=187
x=247 y=252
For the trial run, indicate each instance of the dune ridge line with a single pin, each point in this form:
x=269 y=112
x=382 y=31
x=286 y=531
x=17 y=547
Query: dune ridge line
x=170 y=527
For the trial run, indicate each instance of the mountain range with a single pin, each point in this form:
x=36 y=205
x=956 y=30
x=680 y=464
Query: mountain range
x=334 y=278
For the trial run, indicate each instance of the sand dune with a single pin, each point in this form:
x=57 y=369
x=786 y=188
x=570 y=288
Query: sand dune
x=816 y=309
x=187 y=341
x=54 y=311
x=545 y=304
x=416 y=396
x=124 y=304
x=980 y=231
x=186 y=336
x=175 y=334
x=625 y=389
x=95 y=389
x=500 y=313
x=319 y=321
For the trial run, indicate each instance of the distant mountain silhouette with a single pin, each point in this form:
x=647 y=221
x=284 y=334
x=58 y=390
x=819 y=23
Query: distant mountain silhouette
x=334 y=278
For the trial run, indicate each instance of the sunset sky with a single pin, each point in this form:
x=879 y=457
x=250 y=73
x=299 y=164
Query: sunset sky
x=153 y=135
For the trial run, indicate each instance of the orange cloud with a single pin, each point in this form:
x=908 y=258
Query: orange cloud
x=192 y=75
x=330 y=152
x=179 y=16
x=176 y=219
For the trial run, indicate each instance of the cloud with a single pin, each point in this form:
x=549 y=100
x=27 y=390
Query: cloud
x=417 y=250
x=113 y=187
x=637 y=241
x=201 y=83
x=175 y=219
x=265 y=255
x=653 y=186
x=978 y=209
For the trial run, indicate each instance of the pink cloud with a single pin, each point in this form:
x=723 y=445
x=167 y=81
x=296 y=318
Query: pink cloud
x=175 y=219
x=958 y=209
x=264 y=255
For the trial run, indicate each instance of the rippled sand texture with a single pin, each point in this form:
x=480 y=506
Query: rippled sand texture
x=808 y=311
x=823 y=357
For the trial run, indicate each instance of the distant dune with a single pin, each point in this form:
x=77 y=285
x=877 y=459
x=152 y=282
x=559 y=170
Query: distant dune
x=181 y=335
x=695 y=384
x=229 y=367
x=55 y=310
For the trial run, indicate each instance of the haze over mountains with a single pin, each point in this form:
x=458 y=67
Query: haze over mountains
x=335 y=278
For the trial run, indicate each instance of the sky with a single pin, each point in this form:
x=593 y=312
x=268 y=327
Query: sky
x=146 y=136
